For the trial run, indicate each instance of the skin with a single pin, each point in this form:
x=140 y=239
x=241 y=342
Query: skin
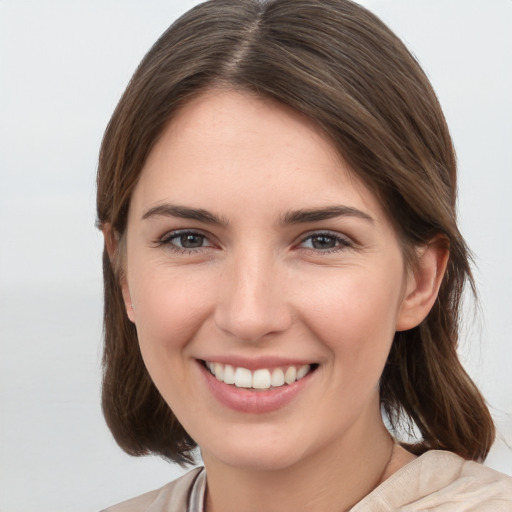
x=330 y=292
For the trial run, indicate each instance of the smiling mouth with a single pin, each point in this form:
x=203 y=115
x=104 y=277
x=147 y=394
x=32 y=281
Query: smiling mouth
x=261 y=379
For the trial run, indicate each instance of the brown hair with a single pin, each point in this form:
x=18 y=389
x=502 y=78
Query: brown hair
x=343 y=68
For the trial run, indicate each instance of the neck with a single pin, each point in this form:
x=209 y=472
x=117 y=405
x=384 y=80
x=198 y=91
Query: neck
x=333 y=480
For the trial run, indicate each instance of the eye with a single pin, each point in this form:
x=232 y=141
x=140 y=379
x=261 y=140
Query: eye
x=325 y=242
x=185 y=241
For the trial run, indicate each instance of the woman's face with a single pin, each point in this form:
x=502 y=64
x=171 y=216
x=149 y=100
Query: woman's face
x=252 y=250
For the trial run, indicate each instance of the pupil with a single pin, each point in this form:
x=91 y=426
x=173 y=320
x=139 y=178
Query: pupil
x=191 y=241
x=323 y=242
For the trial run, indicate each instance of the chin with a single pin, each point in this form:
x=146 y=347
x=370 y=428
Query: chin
x=257 y=449
x=257 y=459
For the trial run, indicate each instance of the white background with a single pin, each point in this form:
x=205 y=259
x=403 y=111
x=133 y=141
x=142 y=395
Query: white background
x=63 y=66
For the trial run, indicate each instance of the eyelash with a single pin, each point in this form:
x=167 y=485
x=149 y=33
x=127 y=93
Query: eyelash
x=167 y=240
x=341 y=242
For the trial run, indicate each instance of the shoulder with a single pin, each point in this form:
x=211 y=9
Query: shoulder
x=441 y=479
x=169 y=498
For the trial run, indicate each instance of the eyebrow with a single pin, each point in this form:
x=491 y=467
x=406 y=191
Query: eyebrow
x=184 y=212
x=318 y=214
x=291 y=217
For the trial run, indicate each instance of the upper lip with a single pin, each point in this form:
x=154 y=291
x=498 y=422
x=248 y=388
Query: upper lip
x=256 y=363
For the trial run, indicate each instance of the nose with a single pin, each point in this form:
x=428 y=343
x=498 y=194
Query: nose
x=252 y=301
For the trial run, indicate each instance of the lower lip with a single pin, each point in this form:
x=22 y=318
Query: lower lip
x=250 y=400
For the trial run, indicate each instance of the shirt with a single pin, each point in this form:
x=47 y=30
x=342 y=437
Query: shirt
x=437 y=480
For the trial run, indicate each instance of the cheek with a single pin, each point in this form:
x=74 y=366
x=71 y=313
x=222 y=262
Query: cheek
x=354 y=314
x=168 y=315
x=169 y=310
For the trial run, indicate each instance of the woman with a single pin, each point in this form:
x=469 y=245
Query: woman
x=276 y=189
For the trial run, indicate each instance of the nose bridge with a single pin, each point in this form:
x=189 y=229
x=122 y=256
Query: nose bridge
x=252 y=301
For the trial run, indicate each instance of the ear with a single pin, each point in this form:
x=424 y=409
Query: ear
x=423 y=283
x=113 y=247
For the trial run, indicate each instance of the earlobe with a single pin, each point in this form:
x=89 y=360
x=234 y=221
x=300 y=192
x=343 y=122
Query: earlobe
x=423 y=283
x=112 y=245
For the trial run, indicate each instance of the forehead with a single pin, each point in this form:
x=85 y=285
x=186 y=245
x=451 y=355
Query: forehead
x=230 y=148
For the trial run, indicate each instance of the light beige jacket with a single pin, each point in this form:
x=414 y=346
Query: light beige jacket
x=436 y=481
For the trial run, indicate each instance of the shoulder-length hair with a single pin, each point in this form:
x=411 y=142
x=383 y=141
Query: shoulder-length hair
x=342 y=67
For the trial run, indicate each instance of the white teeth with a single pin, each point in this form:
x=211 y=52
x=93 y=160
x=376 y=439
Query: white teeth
x=302 y=371
x=277 y=378
x=291 y=375
x=243 y=378
x=259 y=379
x=218 y=370
x=229 y=374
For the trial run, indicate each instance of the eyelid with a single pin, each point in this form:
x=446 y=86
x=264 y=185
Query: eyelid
x=166 y=240
x=343 y=241
x=169 y=235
